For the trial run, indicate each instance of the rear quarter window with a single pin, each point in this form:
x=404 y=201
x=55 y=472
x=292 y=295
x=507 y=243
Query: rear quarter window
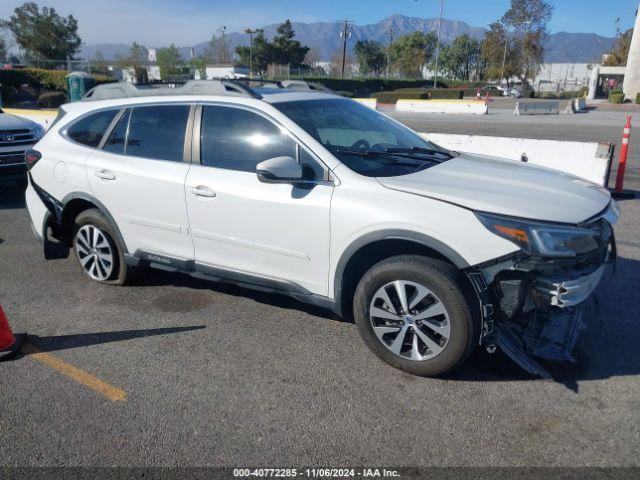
x=90 y=129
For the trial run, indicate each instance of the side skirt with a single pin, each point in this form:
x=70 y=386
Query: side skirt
x=215 y=274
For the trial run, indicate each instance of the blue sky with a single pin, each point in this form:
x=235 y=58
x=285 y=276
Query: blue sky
x=185 y=22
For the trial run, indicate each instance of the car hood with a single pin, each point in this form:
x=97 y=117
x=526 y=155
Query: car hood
x=506 y=187
x=13 y=122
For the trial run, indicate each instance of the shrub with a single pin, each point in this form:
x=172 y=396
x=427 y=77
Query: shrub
x=40 y=79
x=52 y=99
x=638 y=97
x=364 y=86
x=8 y=94
x=448 y=93
x=393 y=97
x=616 y=96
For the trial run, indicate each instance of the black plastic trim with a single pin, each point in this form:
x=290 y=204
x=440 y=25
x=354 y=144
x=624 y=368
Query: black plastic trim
x=243 y=279
x=99 y=205
x=392 y=234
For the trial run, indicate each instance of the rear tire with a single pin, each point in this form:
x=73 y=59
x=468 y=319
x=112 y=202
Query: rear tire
x=431 y=330
x=99 y=254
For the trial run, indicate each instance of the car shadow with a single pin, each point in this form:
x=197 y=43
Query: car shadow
x=151 y=277
x=608 y=348
x=67 y=342
x=11 y=196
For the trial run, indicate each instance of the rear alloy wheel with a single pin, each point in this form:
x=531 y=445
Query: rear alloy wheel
x=94 y=252
x=97 y=249
x=412 y=312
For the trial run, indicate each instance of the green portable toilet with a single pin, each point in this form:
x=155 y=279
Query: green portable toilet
x=78 y=84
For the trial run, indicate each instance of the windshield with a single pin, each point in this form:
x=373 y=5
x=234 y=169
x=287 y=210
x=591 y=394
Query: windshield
x=364 y=140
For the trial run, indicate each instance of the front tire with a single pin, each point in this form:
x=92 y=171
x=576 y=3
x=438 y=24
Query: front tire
x=411 y=311
x=99 y=254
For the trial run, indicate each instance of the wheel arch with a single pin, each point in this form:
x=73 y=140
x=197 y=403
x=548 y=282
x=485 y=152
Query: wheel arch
x=77 y=202
x=373 y=247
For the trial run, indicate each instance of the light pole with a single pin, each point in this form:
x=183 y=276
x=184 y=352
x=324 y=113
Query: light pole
x=504 y=55
x=251 y=32
x=435 y=78
x=390 y=32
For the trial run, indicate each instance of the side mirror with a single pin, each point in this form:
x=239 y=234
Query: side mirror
x=279 y=170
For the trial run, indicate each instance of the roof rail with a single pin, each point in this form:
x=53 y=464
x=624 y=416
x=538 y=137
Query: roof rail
x=192 y=87
x=304 y=85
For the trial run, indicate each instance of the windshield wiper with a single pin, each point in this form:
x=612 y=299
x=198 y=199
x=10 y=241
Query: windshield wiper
x=427 y=151
x=419 y=162
x=386 y=153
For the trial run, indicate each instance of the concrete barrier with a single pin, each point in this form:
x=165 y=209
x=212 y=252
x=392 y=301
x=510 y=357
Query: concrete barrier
x=587 y=160
x=43 y=117
x=551 y=107
x=477 y=107
x=369 y=102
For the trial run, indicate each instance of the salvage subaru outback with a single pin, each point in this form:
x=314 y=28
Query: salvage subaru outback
x=298 y=191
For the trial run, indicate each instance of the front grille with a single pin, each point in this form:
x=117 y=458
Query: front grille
x=10 y=138
x=12 y=158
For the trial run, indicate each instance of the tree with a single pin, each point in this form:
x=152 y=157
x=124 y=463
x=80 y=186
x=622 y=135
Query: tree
x=137 y=61
x=170 y=61
x=217 y=51
x=371 y=56
x=412 y=52
x=617 y=57
x=99 y=64
x=262 y=53
x=43 y=34
x=529 y=20
x=493 y=53
x=282 y=50
x=461 y=59
x=286 y=50
x=3 y=49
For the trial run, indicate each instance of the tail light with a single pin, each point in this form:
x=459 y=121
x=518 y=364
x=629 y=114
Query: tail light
x=31 y=158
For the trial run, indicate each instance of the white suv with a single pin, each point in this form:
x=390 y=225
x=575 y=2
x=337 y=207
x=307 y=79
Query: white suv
x=312 y=195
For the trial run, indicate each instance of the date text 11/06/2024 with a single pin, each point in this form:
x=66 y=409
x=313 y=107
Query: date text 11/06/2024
x=316 y=472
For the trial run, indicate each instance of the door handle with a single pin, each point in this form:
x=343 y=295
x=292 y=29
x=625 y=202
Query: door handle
x=202 y=191
x=105 y=175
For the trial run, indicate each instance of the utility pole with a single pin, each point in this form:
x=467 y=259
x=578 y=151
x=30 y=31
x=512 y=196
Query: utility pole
x=390 y=33
x=435 y=78
x=251 y=32
x=223 y=29
x=345 y=34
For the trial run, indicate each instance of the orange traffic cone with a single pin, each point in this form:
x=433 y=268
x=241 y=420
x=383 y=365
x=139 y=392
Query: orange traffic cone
x=10 y=344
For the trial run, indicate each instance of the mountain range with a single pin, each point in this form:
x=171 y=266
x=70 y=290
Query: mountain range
x=561 y=47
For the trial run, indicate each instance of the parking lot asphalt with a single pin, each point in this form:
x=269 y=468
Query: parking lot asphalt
x=174 y=371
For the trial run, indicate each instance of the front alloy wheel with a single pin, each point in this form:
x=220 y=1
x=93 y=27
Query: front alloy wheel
x=410 y=320
x=412 y=312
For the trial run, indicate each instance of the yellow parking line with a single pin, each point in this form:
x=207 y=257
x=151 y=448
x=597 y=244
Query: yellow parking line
x=112 y=393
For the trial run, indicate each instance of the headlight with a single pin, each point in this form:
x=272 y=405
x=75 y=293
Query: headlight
x=541 y=239
x=37 y=132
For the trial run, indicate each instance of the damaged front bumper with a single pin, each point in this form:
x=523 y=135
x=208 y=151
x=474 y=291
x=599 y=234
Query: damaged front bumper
x=535 y=308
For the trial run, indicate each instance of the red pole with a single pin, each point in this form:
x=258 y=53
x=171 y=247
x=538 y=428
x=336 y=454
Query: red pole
x=624 y=150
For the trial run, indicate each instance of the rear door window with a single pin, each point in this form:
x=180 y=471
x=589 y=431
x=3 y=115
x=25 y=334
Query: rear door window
x=117 y=137
x=158 y=132
x=89 y=130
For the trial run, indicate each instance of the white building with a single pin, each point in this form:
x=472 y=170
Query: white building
x=223 y=71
